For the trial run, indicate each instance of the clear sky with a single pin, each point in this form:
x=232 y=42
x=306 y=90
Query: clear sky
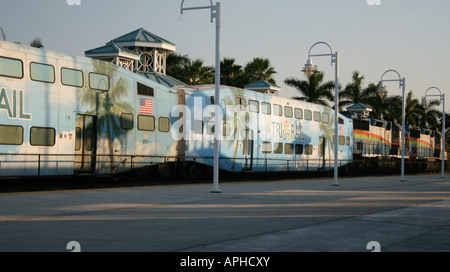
x=410 y=36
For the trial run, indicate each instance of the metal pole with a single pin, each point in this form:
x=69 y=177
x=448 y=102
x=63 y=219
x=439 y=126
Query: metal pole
x=443 y=137
x=215 y=13
x=336 y=121
x=217 y=103
x=403 y=130
x=309 y=67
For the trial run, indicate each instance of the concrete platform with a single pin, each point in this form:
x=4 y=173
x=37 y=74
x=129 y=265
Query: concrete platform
x=268 y=216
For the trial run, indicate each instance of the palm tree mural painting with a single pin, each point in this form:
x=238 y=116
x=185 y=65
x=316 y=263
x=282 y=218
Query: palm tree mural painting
x=327 y=130
x=107 y=106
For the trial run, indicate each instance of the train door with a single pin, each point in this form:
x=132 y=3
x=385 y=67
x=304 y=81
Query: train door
x=322 y=145
x=248 y=145
x=85 y=143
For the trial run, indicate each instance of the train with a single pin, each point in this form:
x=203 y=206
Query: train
x=65 y=115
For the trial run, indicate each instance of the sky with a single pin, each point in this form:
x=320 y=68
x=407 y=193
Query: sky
x=409 y=36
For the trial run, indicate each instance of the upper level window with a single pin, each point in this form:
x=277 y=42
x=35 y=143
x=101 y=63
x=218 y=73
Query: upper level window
x=72 y=77
x=317 y=117
x=277 y=110
x=265 y=108
x=298 y=113
x=288 y=112
x=253 y=105
x=308 y=115
x=11 y=67
x=242 y=102
x=98 y=82
x=42 y=72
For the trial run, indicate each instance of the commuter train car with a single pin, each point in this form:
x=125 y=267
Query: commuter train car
x=262 y=132
x=63 y=115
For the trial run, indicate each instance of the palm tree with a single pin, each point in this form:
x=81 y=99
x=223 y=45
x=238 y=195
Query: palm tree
x=312 y=89
x=259 y=69
x=430 y=117
x=175 y=64
x=354 y=92
x=37 y=43
x=230 y=73
x=385 y=107
x=413 y=110
x=195 y=73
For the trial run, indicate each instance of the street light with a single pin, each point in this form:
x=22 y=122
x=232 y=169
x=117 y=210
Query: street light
x=425 y=103
x=215 y=14
x=309 y=69
x=382 y=90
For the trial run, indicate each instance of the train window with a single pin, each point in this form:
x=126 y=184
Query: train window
x=288 y=112
x=146 y=122
x=126 y=121
x=308 y=149
x=11 y=135
x=289 y=148
x=340 y=121
x=317 y=117
x=72 y=77
x=325 y=118
x=42 y=72
x=253 y=106
x=145 y=90
x=278 y=148
x=298 y=113
x=266 y=108
x=266 y=147
x=341 y=140
x=89 y=139
x=347 y=140
x=41 y=136
x=98 y=82
x=77 y=139
x=11 y=67
x=164 y=124
x=277 y=110
x=308 y=115
x=298 y=149
x=241 y=101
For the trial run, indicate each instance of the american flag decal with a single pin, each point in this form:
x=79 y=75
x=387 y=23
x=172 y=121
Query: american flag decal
x=146 y=106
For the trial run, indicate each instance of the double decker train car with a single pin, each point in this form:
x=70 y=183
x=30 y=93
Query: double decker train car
x=262 y=132
x=62 y=115
x=65 y=115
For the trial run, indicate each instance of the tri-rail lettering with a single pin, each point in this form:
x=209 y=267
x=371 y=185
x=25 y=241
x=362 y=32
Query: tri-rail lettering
x=13 y=105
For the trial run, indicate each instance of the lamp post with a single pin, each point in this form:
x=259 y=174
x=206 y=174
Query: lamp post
x=215 y=14
x=382 y=89
x=442 y=98
x=309 y=69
